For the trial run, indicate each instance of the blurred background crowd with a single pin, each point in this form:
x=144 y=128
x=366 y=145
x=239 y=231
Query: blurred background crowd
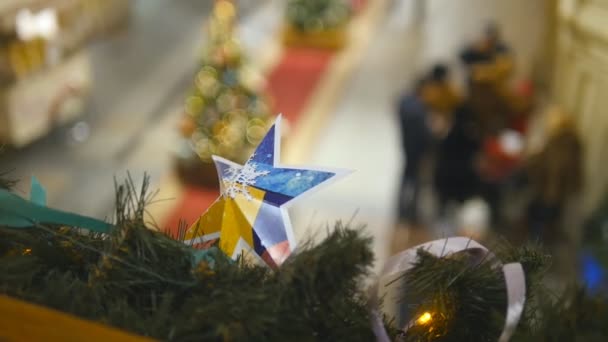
x=472 y=149
x=482 y=118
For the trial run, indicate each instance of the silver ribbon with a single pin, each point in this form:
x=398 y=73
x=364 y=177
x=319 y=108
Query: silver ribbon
x=398 y=264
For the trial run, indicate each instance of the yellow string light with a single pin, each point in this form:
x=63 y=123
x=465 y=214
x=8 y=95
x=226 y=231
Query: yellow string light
x=424 y=318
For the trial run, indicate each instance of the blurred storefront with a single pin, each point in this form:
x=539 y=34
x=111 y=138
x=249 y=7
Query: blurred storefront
x=581 y=83
x=42 y=52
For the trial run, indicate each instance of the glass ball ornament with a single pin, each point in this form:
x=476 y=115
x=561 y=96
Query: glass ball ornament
x=187 y=126
x=226 y=102
x=256 y=129
x=194 y=105
x=202 y=147
x=207 y=84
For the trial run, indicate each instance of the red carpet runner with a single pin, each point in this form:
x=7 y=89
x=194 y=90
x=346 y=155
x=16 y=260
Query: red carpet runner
x=294 y=79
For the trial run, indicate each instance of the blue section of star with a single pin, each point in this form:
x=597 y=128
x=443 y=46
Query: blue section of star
x=290 y=182
x=264 y=153
x=276 y=199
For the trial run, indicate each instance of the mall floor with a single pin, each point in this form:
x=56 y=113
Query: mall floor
x=143 y=73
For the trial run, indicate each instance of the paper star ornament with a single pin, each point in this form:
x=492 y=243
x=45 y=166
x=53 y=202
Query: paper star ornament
x=251 y=213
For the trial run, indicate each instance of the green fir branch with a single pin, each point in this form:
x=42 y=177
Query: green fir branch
x=149 y=283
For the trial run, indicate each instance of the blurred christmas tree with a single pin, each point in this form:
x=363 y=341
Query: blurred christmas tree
x=318 y=15
x=226 y=114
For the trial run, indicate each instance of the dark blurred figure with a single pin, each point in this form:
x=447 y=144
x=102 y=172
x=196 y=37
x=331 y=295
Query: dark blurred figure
x=456 y=178
x=489 y=65
x=418 y=127
x=523 y=105
x=555 y=176
x=416 y=140
x=502 y=153
x=488 y=58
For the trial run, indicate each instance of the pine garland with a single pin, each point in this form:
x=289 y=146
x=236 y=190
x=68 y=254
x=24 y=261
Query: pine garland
x=576 y=315
x=151 y=284
x=464 y=296
x=146 y=282
x=455 y=292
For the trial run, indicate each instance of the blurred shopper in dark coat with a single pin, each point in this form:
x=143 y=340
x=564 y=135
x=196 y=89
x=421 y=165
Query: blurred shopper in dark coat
x=418 y=126
x=489 y=64
x=555 y=175
x=416 y=139
x=488 y=59
x=456 y=178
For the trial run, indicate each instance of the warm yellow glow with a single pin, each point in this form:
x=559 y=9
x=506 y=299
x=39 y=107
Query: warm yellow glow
x=424 y=318
x=225 y=10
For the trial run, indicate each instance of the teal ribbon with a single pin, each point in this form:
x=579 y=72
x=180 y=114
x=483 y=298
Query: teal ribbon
x=207 y=255
x=37 y=192
x=16 y=212
x=210 y=256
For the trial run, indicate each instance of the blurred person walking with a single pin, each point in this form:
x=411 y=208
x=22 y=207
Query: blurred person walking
x=456 y=178
x=488 y=59
x=489 y=65
x=555 y=182
x=420 y=124
x=416 y=139
x=502 y=153
x=555 y=178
